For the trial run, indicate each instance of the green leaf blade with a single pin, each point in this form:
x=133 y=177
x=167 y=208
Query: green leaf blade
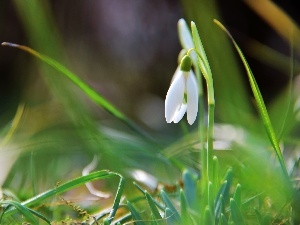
x=236 y=214
x=135 y=215
x=87 y=89
x=152 y=206
x=169 y=205
x=260 y=102
x=22 y=209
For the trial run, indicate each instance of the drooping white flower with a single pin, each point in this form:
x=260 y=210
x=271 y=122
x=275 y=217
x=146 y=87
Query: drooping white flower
x=182 y=96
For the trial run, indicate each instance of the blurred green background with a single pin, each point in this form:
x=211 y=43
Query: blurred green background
x=127 y=51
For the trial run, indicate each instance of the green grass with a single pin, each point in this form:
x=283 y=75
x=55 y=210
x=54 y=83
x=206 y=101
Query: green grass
x=193 y=180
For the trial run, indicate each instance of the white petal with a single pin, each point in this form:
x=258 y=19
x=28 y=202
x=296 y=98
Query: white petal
x=186 y=39
x=185 y=36
x=176 y=74
x=174 y=96
x=192 y=97
x=179 y=113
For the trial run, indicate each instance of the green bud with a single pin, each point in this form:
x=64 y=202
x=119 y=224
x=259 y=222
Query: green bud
x=186 y=63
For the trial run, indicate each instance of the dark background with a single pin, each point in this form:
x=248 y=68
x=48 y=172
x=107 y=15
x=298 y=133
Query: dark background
x=128 y=49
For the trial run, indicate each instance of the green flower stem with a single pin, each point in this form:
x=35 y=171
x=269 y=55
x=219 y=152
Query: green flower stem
x=210 y=139
x=207 y=156
x=215 y=179
x=201 y=112
x=203 y=64
x=211 y=112
x=201 y=131
x=201 y=128
x=210 y=135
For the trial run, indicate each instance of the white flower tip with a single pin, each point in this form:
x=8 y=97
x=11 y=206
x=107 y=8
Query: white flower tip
x=179 y=113
x=181 y=22
x=191 y=120
x=168 y=120
x=185 y=35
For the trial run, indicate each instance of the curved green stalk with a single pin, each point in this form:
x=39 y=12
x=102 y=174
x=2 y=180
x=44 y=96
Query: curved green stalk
x=89 y=91
x=207 y=156
x=260 y=103
x=59 y=189
x=117 y=200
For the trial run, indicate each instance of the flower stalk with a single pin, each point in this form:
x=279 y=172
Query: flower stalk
x=207 y=154
x=179 y=100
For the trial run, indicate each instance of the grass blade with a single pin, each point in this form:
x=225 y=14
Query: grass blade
x=22 y=209
x=89 y=91
x=236 y=215
x=123 y=219
x=210 y=195
x=152 y=206
x=238 y=195
x=224 y=190
x=208 y=218
x=117 y=200
x=160 y=206
x=259 y=217
x=190 y=186
x=135 y=215
x=215 y=181
x=170 y=217
x=260 y=102
x=103 y=174
x=170 y=205
x=39 y=215
x=184 y=211
x=223 y=220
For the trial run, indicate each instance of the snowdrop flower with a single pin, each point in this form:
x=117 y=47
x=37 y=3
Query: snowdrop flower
x=182 y=95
